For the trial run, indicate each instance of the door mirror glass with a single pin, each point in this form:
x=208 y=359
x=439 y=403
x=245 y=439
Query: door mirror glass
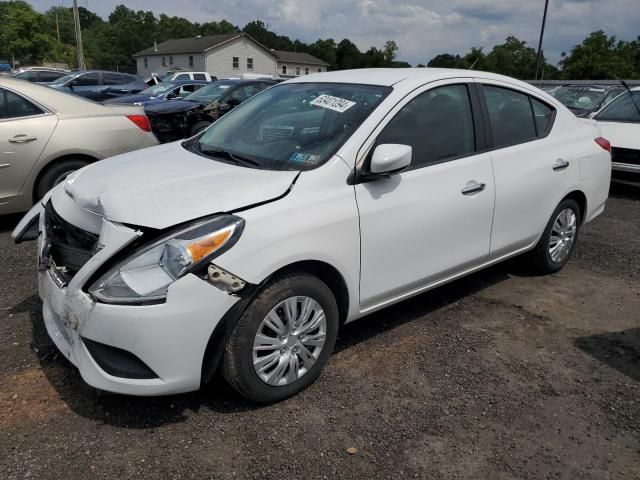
x=390 y=158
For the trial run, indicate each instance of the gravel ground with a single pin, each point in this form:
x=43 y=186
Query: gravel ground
x=499 y=375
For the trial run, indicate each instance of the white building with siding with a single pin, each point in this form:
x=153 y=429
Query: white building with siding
x=224 y=56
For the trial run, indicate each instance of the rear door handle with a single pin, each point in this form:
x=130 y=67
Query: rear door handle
x=473 y=187
x=22 y=139
x=560 y=165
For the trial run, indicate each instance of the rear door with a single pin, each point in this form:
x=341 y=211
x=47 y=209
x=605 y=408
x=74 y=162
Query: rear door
x=533 y=166
x=434 y=219
x=87 y=85
x=25 y=129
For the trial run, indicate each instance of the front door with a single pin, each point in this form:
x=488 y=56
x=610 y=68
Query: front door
x=25 y=129
x=434 y=219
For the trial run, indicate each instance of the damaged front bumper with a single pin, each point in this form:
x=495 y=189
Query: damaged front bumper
x=131 y=349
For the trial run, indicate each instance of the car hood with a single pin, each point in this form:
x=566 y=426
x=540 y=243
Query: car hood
x=162 y=186
x=172 y=106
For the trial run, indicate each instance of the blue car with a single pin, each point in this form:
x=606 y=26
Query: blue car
x=161 y=92
x=99 y=85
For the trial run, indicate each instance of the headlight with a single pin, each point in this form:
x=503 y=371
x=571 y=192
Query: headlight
x=148 y=272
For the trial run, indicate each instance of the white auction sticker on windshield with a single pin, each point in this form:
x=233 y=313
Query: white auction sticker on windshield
x=336 y=104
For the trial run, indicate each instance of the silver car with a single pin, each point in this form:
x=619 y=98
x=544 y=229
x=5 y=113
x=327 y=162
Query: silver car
x=46 y=134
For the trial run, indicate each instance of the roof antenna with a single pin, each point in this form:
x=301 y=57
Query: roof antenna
x=474 y=63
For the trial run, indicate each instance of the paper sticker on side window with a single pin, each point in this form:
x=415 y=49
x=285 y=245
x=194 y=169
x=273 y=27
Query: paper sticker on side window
x=336 y=104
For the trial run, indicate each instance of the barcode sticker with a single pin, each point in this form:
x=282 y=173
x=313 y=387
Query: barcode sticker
x=336 y=104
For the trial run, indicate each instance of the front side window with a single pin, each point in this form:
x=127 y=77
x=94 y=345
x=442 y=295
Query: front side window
x=182 y=76
x=249 y=63
x=437 y=124
x=87 y=80
x=510 y=115
x=49 y=76
x=622 y=109
x=236 y=63
x=28 y=75
x=15 y=106
x=290 y=126
x=114 y=79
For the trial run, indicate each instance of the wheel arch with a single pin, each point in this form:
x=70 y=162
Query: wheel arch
x=56 y=161
x=323 y=270
x=581 y=200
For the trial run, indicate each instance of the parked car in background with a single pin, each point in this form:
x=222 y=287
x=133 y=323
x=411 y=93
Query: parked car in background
x=5 y=69
x=161 y=93
x=184 y=118
x=40 y=74
x=46 y=134
x=181 y=75
x=583 y=100
x=619 y=122
x=99 y=85
x=317 y=202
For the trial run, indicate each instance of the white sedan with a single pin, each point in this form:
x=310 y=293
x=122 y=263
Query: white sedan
x=315 y=203
x=619 y=121
x=46 y=134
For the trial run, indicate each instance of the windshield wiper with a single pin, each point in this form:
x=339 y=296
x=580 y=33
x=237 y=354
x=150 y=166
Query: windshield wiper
x=234 y=157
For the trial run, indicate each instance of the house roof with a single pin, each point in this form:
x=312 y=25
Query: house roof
x=199 y=44
x=298 y=57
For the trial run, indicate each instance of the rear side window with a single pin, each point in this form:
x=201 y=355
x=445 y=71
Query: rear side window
x=437 y=124
x=87 y=80
x=17 y=106
x=115 y=79
x=50 y=76
x=622 y=109
x=543 y=116
x=199 y=76
x=510 y=116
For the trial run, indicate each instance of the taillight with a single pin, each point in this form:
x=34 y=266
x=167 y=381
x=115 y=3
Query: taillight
x=141 y=121
x=604 y=143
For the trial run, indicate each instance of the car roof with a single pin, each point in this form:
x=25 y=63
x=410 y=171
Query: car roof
x=50 y=98
x=391 y=76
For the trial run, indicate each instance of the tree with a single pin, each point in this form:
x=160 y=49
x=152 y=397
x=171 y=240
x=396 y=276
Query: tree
x=446 y=60
x=513 y=58
x=390 y=50
x=601 y=57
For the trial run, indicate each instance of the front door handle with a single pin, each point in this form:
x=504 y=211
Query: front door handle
x=473 y=187
x=22 y=139
x=560 y=165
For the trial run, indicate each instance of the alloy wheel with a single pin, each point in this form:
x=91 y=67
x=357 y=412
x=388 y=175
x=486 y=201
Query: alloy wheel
x=289 y=340
x=563 y=233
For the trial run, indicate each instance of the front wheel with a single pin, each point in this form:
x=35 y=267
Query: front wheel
x=283 y=339
x=558 y=239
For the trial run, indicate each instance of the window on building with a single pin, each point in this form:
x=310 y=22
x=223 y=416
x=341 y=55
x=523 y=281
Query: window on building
x=249 y=63
x=437 y=124
x=297 y=71
x=319 y=69
x=146 y=62
x=236 y=63
x=284 y=69
x=191 y=60
x=164 y=61
x=306 y=70
x=171 y=60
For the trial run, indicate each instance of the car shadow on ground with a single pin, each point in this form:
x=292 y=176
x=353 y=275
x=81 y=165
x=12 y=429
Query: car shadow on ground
x=217 y=396
x=8 y=222
x=619 y=350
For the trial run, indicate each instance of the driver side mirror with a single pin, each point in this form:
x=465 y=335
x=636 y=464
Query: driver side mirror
x=390 y=158
x=172 y=95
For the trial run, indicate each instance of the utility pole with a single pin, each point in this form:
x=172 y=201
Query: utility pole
x=57 y=28
x=76 y=19
x=544 y=21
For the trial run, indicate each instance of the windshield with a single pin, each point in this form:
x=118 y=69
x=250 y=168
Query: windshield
x=64 y=79
x=158 y=89
x=209 y=93
x=579 y=98
x=294 y=126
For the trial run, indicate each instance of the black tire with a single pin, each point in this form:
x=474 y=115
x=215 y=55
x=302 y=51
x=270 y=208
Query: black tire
x=54 y=173
x=238 y=367
x=198 y=127
x=540 y=258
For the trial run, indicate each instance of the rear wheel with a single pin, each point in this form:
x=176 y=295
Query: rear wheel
x=283 y=339
x=559 y=238
x=57 y=173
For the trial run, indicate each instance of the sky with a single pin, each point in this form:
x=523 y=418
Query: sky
x=421 y=28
